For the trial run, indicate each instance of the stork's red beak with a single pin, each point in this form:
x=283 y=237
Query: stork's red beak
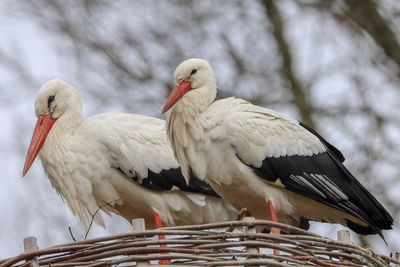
x=181 y=88
x=42 y=129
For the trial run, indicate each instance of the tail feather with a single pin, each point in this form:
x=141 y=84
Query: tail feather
x=365 y=230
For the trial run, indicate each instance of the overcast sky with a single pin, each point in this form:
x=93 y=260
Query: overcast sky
x=29 y=206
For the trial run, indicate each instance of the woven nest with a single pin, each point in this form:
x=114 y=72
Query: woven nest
x=208 y=245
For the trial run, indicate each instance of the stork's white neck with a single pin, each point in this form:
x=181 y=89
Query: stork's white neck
x=195 y=102
x=185 y=123
x=67 y=124
x=55 y=144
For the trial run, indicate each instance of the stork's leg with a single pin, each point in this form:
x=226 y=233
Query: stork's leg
x=274 y=218
x=159 y=224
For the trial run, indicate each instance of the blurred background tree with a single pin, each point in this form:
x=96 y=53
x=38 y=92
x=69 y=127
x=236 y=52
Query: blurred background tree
x=334 y=65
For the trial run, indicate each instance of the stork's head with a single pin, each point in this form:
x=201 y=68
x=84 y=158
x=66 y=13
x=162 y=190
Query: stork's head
x=54 y=99
x=191 y=74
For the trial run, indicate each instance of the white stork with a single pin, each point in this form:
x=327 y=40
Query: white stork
x=255 y=157
x=121 y=159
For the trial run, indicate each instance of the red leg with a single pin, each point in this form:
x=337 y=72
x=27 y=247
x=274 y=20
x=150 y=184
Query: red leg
x=272 y=211
x=157 y=220
x=159 y=224
x=274 y=218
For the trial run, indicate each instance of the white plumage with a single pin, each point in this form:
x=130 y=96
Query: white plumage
x=251 y=155
x=106 y=158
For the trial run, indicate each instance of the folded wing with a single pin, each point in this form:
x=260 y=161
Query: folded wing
x=286 y=153
x=140 y=150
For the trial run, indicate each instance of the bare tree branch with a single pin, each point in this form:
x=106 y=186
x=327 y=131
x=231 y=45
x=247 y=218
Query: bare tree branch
x=300 y=98
x=365 y=14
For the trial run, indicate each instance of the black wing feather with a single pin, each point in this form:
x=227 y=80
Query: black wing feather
x=330 y=147
x=167 y=179
x=323 y=178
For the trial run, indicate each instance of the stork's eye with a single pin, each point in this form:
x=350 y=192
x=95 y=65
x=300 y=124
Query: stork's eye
x=193 y=71
x=50 y=100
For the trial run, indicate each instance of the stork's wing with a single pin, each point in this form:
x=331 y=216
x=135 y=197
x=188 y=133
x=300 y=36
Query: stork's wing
x=139 y=148
x=282 y=151
x=329 y=146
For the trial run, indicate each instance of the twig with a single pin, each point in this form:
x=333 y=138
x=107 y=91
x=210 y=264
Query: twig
x=70 y=232
x=206 y=245
x=94 y=215
x=242 y=213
